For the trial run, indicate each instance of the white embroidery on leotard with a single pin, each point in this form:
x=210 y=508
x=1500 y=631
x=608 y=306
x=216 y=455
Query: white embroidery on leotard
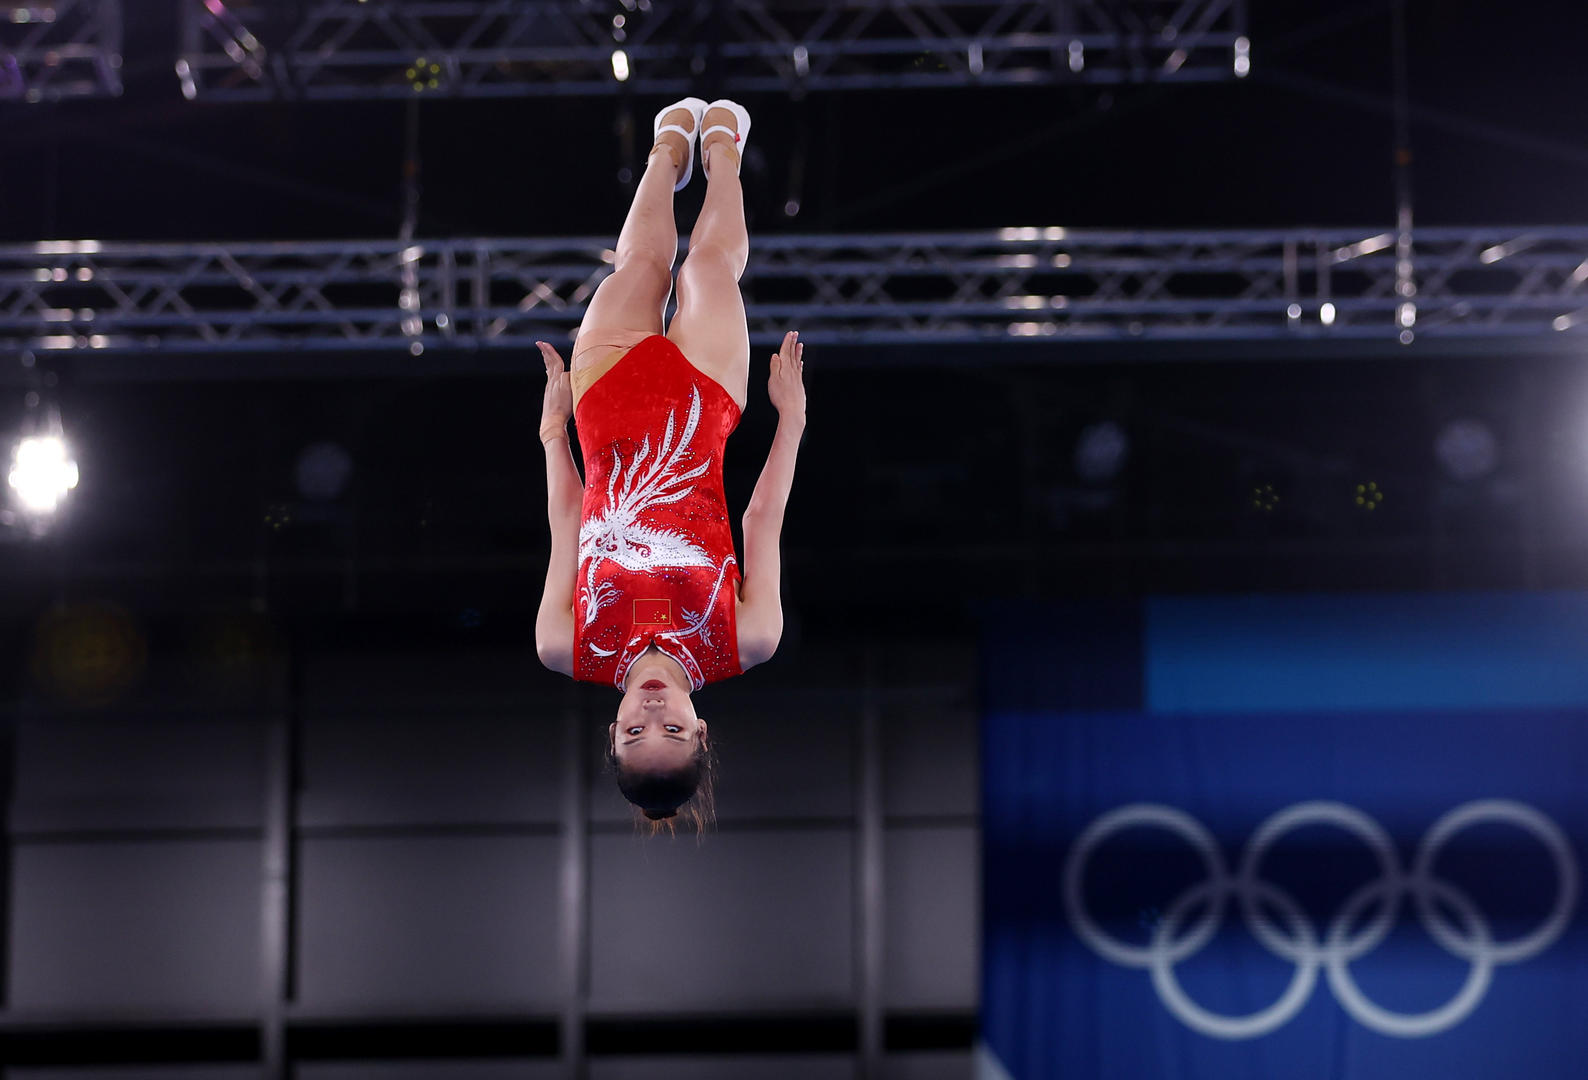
x=616 y=531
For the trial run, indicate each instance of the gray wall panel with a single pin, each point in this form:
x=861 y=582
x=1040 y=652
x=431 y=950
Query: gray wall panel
x=803 y=1067
x=398 y=679
x=428 y=922
x=939 y=1065
x=136 y=928
x=930 y=761
x=135 y=771
x=138 y=1072
x=430 y=1070
x=740 y=921
x=432 y=768
x=932 y=889
x=779 y=755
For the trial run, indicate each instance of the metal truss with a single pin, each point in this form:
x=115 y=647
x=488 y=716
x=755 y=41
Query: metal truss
x=253 y=49
x=53 y=49
x=973 y=287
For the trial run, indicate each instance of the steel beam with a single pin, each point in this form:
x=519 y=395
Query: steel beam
x=253 y=49
x=54 y=49
x=898 y=288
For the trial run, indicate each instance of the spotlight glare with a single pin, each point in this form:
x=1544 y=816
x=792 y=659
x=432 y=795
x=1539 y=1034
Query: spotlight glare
x=1101 y=451
x=1467 y=449
x=42 y=472
x=1326 y=314
x=620 y=65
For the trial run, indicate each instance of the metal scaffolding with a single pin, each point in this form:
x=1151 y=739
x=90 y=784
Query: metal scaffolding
x=54 y=49
x=903 y=288
x=252 y=49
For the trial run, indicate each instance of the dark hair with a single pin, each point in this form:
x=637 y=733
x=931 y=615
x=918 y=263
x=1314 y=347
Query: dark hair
x=661 y=798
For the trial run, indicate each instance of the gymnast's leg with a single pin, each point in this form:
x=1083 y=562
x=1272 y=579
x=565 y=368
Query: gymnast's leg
x=628 y=305
x=710 y=326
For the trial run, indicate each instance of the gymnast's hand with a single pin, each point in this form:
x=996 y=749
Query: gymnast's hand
x=558 y=404
x=786 y=387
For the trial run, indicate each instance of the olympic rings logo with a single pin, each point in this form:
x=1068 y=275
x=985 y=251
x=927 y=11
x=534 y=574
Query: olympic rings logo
x=1469 y=936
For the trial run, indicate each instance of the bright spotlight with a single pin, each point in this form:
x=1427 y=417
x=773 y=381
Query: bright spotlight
x=1326 y=314
x=620 y=65
x=42 y=472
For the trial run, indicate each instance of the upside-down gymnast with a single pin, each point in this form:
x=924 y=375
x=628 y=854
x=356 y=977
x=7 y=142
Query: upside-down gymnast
x=643 y=591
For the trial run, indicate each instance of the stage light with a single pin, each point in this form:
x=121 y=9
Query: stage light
x=1408 y=314
x=1368 y=496
x=42 y=472
x=620 y=65
x=1364 y=247
x=1293 y=312
x=1326 y=314
x=1077 y=53
x=1243 y=57
x=1467 y=449
x=424 y=74
x=1101 y=451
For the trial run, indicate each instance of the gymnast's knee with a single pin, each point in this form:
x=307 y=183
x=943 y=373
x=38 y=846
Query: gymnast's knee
x=642 y=260
x=713 y=264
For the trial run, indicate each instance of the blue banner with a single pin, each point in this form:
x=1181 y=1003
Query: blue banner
x=1237 y=839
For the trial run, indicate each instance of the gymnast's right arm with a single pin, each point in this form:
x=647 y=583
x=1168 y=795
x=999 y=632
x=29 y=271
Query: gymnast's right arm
x=564 y=496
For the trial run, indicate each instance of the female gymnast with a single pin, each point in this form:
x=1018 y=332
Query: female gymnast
x=643 y=591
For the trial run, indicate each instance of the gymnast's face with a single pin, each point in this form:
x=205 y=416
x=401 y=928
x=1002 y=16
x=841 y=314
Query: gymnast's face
x=656 y=728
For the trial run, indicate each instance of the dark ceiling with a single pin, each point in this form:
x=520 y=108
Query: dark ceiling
x=1497 y=132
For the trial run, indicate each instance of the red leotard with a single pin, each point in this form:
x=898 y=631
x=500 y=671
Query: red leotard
x=656 y=561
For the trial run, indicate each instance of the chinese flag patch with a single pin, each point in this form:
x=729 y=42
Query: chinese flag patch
x=653 y=612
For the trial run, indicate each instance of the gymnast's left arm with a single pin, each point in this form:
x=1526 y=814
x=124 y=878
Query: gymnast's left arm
x=760 y=613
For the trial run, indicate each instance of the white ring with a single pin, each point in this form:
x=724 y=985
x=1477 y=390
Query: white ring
x=1408 y=1025
x=1217 y=1025
x=1317 y=812
x=1132 y=816
x=1472 y=941
x=1507 y=812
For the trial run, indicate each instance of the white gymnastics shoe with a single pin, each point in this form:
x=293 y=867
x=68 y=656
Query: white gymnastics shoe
x=740 y=131
x=697 y=109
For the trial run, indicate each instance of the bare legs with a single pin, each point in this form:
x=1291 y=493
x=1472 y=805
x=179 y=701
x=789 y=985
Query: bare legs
x=634 y=295
x=710 y=326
